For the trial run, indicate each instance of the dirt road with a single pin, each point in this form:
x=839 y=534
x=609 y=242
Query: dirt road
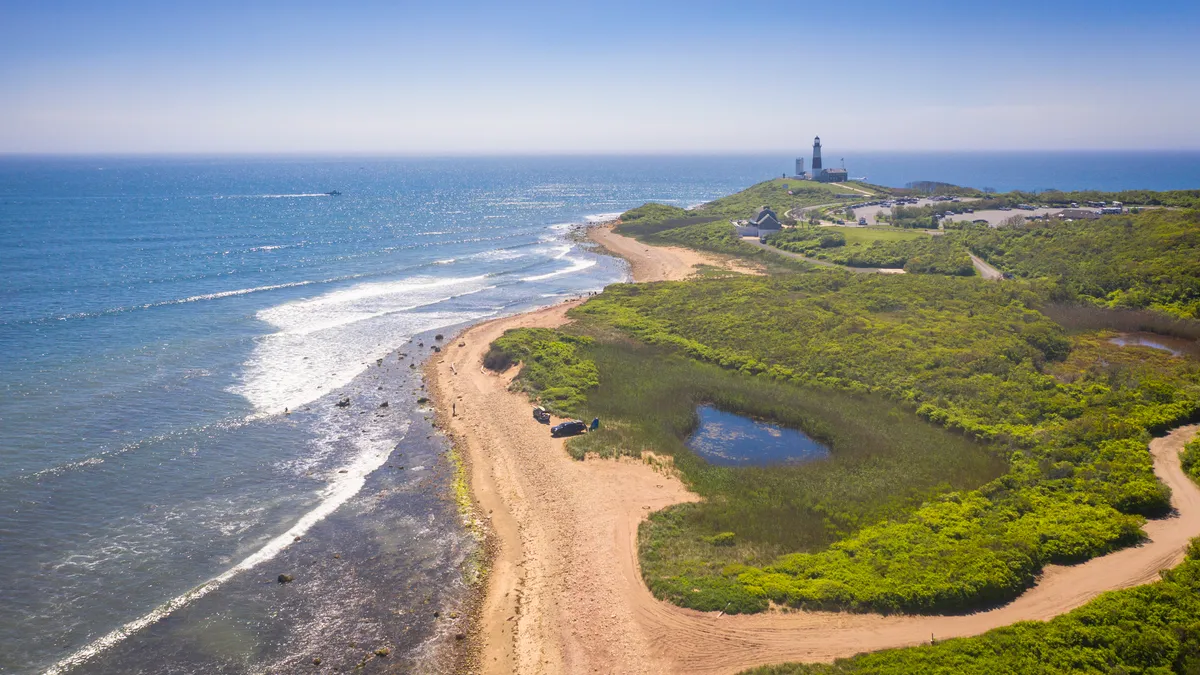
x=985 y=270
x=565 y=593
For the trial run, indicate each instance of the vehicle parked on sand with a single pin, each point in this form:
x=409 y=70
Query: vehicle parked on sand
x=541 y=414
x=568 y=428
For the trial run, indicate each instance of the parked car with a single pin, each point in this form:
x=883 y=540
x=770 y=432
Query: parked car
x=541 y=414
x=568 y=428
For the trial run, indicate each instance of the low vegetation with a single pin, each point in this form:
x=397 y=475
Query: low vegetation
x=915 y=253
x=1149 y=629
x=652 y=218
x=552 y=368
x=1190 y=459
x=1066 y=411
x=781 y=194
x=708 y=228
x=884 y=460
x=1185 y=199
x=870 y=235
x=1138 y=261
x=967 y=354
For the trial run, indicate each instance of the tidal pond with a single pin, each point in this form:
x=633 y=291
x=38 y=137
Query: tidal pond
x=726 y=439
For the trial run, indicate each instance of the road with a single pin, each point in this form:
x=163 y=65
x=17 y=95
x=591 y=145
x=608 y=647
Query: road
x=985 y=270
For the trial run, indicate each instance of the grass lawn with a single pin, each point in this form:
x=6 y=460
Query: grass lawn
x=867 y=235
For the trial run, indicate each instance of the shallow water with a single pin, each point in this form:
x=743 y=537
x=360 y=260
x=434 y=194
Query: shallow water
x=726 y=439
x=1174 y=346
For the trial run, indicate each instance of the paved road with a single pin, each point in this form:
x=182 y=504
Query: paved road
x=985 y=270
x=797 y=212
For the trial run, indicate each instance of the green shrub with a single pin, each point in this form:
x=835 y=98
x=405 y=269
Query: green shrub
x=1148 y=629
x=1138 y=261
x=967 y=354
x=1190 y=459
x=552 y=369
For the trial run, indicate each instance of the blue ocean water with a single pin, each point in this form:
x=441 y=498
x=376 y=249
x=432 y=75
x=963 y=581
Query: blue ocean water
x=157 y=318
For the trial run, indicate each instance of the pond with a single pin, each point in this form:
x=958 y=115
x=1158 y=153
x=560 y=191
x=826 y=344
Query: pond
x=1176 y=346
x=726 y=439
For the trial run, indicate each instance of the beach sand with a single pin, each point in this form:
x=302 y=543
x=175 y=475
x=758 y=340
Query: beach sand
x=564 y=593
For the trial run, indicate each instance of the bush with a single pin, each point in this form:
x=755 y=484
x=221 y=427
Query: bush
x=1147 y=629
x=970 y=355
x=552 y=369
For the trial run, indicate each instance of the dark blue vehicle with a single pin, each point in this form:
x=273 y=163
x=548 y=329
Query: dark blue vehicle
x=569 y=428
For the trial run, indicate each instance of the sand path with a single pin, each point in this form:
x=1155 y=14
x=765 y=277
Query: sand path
x=565 y=594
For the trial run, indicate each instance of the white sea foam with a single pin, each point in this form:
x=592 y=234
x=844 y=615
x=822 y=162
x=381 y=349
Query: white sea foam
x=577 y=265
x=229 y=294
x=273 y=247
x=322 y=343
x=372 y=455
x=498 y=255
x=603 y=217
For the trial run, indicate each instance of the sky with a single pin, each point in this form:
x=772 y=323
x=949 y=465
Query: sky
x=385 y=78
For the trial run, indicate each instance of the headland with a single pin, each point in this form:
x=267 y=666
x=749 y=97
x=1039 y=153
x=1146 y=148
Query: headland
x=565 y=591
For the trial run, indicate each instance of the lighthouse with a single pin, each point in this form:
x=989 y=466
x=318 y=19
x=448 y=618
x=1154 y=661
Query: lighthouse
x=816 y=163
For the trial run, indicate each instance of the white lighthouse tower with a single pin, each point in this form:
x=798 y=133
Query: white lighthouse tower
x=816 y=163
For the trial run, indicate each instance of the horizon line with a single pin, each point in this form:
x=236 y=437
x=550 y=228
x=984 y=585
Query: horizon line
x=4 y=154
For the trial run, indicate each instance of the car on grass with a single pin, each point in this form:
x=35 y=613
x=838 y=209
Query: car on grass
x=568 y=428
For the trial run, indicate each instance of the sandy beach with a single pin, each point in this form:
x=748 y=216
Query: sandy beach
x=564 y=593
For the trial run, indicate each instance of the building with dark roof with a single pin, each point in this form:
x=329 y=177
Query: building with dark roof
x=764 y=222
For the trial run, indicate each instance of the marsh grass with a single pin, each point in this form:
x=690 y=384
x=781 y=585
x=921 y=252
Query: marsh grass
x=883 y=458
x=1083 y=318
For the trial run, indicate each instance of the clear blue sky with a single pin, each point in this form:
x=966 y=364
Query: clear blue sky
x=561 y=77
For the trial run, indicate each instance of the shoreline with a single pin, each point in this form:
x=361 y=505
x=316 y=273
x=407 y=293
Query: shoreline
x=564 y=592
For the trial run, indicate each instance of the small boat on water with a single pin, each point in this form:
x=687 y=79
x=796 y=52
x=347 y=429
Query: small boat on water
x=334 y=193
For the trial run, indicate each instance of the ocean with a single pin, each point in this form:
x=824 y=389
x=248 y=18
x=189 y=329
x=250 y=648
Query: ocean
x=157 y=318
x=176 y=335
